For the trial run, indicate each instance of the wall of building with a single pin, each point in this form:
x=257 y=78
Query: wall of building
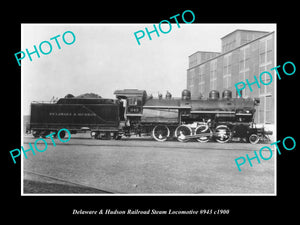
x=223 y=70
x=200 y=57
x=238 y=38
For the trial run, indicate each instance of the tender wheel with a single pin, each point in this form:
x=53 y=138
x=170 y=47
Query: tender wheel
x=160 y=132
x=93 y=134
x=107 y=135
x=203 y=129
x=181 y=132
x=43 y=134
x=117 y=136
x=61 y=134
x=222 y=134
x=36 y=134
x=253 y=139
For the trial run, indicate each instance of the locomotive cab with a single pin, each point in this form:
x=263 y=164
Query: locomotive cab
x=133 y=99
x=134 y=106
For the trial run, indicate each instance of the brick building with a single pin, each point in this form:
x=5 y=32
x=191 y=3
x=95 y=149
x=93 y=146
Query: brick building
x=245 y=53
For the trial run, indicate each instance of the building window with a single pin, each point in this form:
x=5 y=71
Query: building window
x=265 y=110
x=266 y=57
x=228 y=44
x=265 y=64
x=266 y=51
x=268 y=109
x=261 y=111
x=244 y=61
x=213 y=75
x=202 y=79
x=265 y=78
x=227 y=71
x=193 y=60
x=192 y=80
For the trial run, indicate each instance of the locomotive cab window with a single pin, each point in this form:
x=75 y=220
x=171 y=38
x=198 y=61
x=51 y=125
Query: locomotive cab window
x=134 y=105
x=134 y=101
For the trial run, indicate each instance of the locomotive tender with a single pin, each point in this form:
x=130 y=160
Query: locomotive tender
x=133 y=112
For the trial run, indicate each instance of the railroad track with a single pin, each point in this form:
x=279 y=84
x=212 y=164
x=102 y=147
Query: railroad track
x=137 y=143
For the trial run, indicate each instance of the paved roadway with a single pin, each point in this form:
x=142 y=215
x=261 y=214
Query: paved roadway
x=144 y=166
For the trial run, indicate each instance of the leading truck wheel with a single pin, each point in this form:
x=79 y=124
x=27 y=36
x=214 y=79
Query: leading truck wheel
x=222 y=134
x=181 y=132
x=253 y=139
x=160 y=132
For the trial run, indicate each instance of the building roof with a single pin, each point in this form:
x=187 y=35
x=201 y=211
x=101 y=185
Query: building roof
x=204 y=52
x=255 y=31
x=130 y=92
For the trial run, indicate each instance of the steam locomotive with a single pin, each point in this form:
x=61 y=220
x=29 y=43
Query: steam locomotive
x=134 y=112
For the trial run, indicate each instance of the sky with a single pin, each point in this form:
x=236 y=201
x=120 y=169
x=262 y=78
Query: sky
x=107 y=57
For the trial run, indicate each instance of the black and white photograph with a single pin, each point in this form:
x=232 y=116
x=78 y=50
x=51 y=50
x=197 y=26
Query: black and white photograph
x=149 y=109
x=134 y=112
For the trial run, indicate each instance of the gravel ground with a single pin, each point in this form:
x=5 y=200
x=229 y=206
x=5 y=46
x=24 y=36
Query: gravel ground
x=143 y=166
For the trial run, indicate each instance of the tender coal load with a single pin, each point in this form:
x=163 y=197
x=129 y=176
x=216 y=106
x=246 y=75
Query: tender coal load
x=69 y=96
x=88 y=95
